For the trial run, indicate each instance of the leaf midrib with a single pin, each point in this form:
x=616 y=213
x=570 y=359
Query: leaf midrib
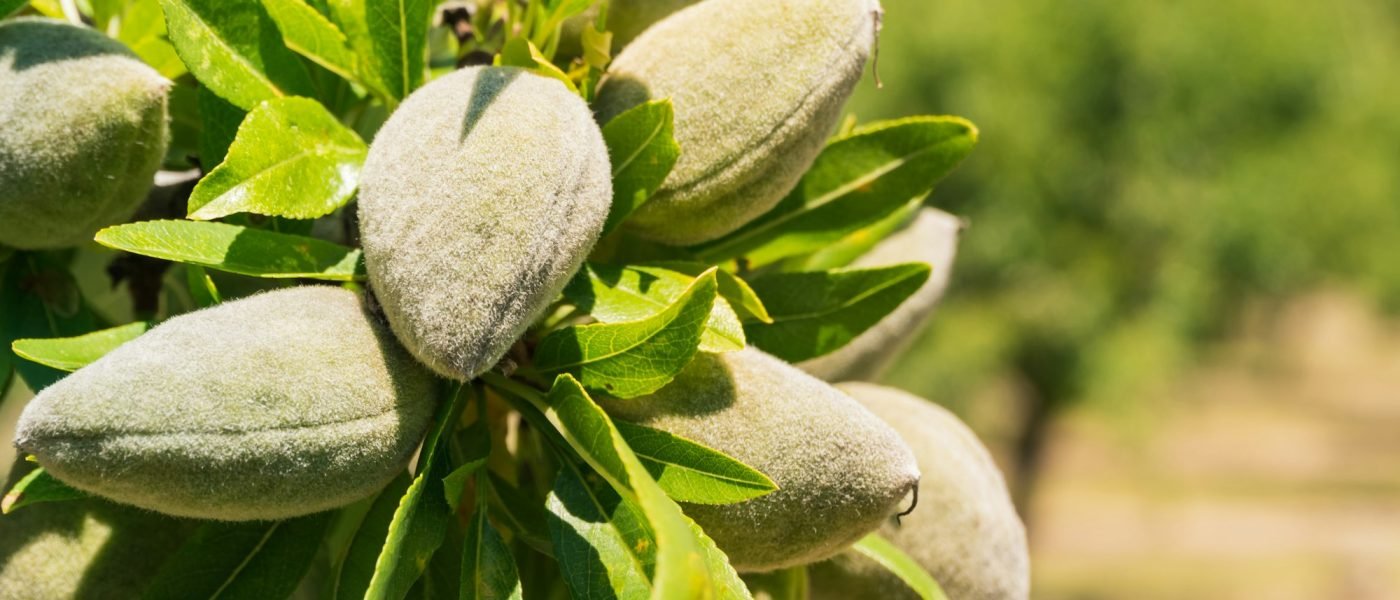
x=852 y=301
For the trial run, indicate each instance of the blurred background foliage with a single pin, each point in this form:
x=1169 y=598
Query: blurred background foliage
x=1146 y=171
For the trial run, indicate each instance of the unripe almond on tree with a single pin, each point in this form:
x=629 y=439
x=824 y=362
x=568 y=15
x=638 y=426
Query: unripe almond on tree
x=931 y=238
x=758 y=85
x=82 y=132
x=480 y=197
x=82 y=549
x=281 y=404
x=964 y=531
x=840 y=471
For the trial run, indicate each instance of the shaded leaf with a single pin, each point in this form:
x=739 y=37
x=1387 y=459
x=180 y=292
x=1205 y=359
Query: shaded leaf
x=896 y=561
x=237 y=249
x=691 y=472
x=614 y=294
x=682 y=568
x=39 y=299
x=819 y=311
x=73 y=353
x=309 y=33
x=235 y=49
x=391 y=39
x=218 y=122
x=254 y=560
x=355 y=569
x=637 y=357
x=643 y=148
x=422 y=518
x=202 y=289
x=856 y=181
x=10 y=6
x=520 y=514
x=488 y=569
x=604 y=544
x=36 y=488
x=846 y=250
x=477 y=450
x=291 y=158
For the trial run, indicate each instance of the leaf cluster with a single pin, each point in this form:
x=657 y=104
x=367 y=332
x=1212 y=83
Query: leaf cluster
x=274 y=105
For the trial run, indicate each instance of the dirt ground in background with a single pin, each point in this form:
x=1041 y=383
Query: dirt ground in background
x=1273 y=474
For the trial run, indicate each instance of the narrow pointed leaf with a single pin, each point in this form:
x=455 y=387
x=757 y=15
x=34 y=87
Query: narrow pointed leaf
x=605 y=547
x=519 y=52
x=397 y=42
x=237 y=249
x=39 y=298
x=683 y=561
x=636 y=357
x=73 y=353
x=613 y=294
x=420 y=523
x=691 y=472
x=253 y=560
x=36 y=488
x=488 y=569
x=291 y=158
x=817 y=312
x=896 y=561
x=643 y=148
x=311 y=34
x=856 y=181
x=355 y=569
x=235 y=49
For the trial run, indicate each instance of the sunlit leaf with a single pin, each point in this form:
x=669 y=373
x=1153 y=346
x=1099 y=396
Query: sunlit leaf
x=291 y=158
x=237 y=249
x=73 y=353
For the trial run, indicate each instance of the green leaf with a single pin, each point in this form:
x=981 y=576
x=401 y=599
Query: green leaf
x=355 y=569
x=36 y=488
x=202 y=290
x=218 y=122
x=488 y=569
x=235 y=49
x=846 y=250
x=819 y=311
x=633 y=358
x=291 y=158
x=477 y=450
x=643 y=148
x=522 y=515
x=394 y=41
x=744 y=301
x=73 y=353
x=896 y=561
x=692 y=472
x=422 y=518
x=40 y=299
x=680 y=559
x=519 y=52
x=309 y=33
x=253 y=560
x=10 y=6
x=143 y=30
x=614 y=294
x=237 y=249
x=604 y=545
x=856 y=181
x=785 y=584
